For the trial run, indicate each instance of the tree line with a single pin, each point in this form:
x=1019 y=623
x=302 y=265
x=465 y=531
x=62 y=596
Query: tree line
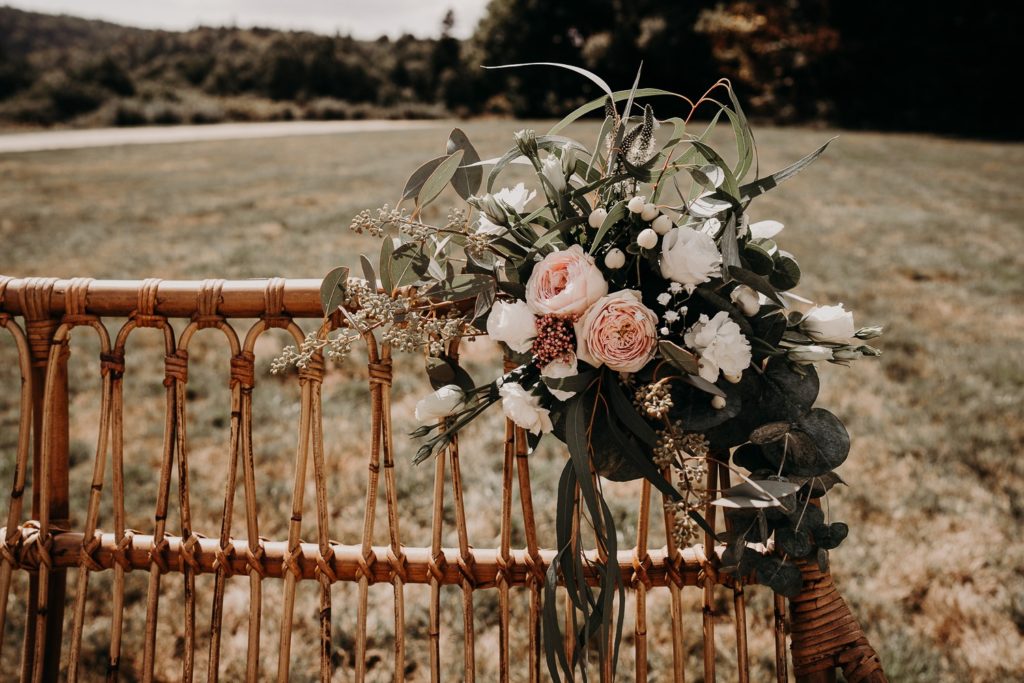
x=895 y=65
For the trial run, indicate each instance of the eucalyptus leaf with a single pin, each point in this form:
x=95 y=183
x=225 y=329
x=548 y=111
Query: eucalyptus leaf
x=468 y=176
x=419 y=176
x=332 y=289
x=441 y=176
x=387 y=249
x=678 y=357
x=615 y=214
x=371 y=277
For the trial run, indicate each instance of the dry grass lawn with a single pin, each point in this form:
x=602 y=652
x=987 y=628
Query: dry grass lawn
x=921 y=234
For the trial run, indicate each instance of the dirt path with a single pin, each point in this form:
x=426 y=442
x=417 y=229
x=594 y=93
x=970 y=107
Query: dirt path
x=153 y=135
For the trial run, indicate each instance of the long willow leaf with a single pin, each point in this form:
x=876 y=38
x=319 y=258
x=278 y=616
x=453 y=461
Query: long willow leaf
x=617 y=96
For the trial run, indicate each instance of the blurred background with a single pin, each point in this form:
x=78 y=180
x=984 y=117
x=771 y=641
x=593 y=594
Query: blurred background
x=914 y=219
x=938 y=66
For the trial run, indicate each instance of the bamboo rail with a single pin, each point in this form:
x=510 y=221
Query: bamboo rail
x=44 y=539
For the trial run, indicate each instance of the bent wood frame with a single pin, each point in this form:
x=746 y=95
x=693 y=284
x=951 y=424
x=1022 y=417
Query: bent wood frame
x=824 y=634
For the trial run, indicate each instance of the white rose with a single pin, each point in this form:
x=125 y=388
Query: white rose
x=809 y=354
x=829 y=323
x=560 y=369
x=747 y=299
x=515 y=198
x=720 y=344
x=512 y=323
x=551 y=167
x=524 y=409
x=439 y=404
x=689 y=257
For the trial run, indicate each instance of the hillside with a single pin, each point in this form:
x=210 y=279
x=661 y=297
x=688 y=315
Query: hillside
x=63 y=69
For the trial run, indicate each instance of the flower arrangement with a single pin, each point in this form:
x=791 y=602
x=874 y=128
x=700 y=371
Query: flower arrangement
x=652 y=325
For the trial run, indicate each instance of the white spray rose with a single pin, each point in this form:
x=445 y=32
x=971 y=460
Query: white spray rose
x=829 y=323
x=809 y=354
x=524 y=408
x=689 y=257
x=439 y=404
x=748 y=300
x=512 y=323
x=516 y=198
x=560 y=369
x=720 y=344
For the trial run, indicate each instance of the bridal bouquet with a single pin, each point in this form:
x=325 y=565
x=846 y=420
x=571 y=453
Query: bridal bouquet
x=650 y=316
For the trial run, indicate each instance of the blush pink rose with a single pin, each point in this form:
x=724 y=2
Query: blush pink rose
x=618 y=331
x=565 y=284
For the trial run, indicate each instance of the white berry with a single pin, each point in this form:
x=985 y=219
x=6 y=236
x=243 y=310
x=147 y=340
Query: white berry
x=649 y=212
x=596 y=218
x=647 y=239
x=718 y=403
x=733 y=378
x=636 y=204
x=614 y=259
x=662 y=224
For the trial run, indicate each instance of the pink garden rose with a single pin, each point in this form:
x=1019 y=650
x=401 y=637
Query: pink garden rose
x=618 y=331
x=565 y=283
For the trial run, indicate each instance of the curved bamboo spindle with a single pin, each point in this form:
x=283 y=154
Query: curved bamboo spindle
x=738 y=598
x=11 y=534
x=673 y=561
x=75 y=316
x=310 y=378
x=381 y=444
x=436 y=566
x=175 y=378
x=640 y=581
x=207 y=316
x=124 y=537
x=505 y=548
x=710 y=573
x=535 y=576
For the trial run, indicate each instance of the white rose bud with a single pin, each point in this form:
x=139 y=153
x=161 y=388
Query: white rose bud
x=828 y=323
x=636 y=204
x=551 y=167
x=869 y=332
x=512 y=323
x=614 y=259
x=649 y=212
x=647 y=239
x=809 y=354
x=662 y=224
x=746 y=299
x=439 y=404
x=596 y=218
x=717 y=402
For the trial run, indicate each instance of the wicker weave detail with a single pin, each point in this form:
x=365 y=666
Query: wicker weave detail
x=826 y=635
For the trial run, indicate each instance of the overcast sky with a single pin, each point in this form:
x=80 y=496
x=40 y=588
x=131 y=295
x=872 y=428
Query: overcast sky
x=361 y=18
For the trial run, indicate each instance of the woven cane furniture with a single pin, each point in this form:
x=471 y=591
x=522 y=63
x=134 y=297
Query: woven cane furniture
x=60 y=548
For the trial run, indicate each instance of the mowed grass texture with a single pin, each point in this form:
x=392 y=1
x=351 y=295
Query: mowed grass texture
x=920 y=234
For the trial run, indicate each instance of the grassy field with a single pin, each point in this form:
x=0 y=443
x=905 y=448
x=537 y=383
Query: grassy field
x=923 y=235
